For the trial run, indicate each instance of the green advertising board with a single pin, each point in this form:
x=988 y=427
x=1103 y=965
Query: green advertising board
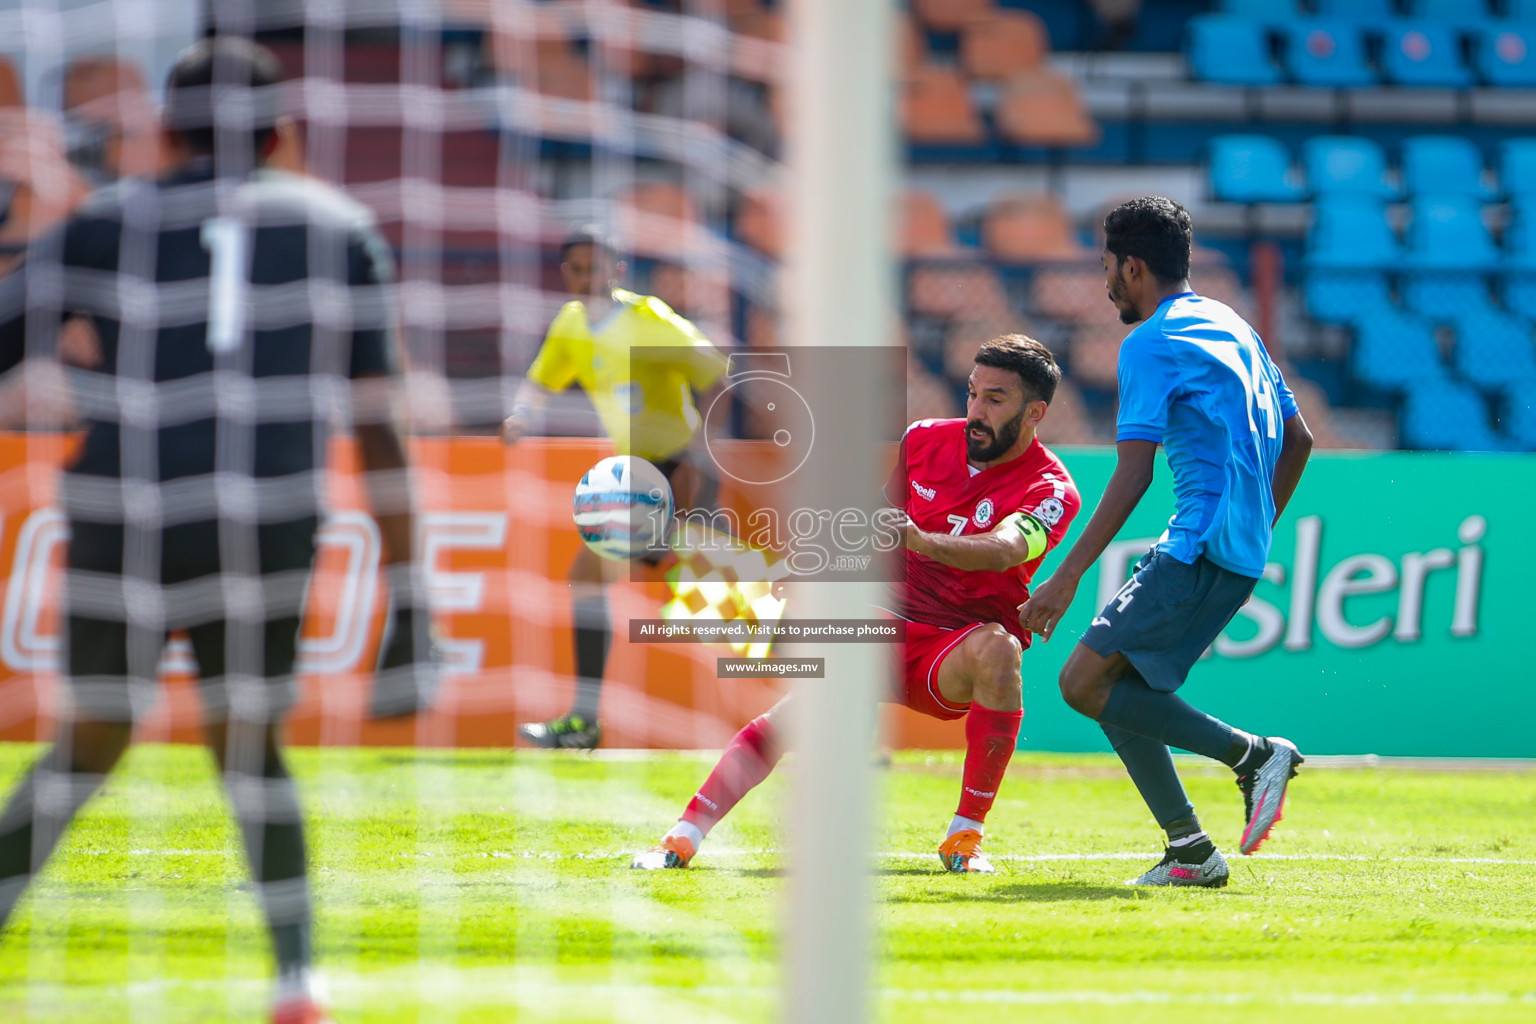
x=1390 y=619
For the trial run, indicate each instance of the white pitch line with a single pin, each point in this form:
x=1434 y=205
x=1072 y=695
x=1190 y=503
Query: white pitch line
x=1392 y=761
x=504 y=986
x=1054 y=857
x=1347 y=858
x=1013 y=997
x=1015 y=858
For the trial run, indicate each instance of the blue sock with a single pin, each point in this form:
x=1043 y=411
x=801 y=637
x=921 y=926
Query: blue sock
x=1136 y=707
x=1150 y=765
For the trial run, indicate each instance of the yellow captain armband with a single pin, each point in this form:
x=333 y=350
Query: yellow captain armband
x=1034 y=533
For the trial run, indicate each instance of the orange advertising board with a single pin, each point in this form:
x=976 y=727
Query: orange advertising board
x=495 y=540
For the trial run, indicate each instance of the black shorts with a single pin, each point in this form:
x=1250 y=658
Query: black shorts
x=709 y=480
x=704 y=501
x=116 y=626
x=1166 y=615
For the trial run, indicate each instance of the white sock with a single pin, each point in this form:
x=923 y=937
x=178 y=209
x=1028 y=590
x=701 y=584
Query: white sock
x=1189 y=840
x=304 y=983
x=687 y=830
x=959 y=824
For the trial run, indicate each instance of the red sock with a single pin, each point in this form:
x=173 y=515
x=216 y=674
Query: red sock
x=748 y=759
x=990 y=737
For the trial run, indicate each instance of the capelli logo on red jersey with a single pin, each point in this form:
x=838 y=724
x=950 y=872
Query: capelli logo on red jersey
x=928 y=493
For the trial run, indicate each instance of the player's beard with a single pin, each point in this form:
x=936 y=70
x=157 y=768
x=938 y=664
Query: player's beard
x=979 y=451
x=1117 y=295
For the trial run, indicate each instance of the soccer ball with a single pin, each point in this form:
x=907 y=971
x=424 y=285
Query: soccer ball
x=623 y=506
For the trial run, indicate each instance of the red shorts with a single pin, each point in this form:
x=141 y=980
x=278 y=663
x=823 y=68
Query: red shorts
x=925 y=650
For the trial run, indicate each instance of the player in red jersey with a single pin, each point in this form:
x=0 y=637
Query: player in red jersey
x=983 y=501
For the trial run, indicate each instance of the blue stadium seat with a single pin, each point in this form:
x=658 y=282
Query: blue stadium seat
x=1351 y=232
x=1444 y=165
x=1461 y=15
x=1520 y=293
x=1449 y=252
x=1447 y=415
x=1446 y=296
x=1494 y=349
x=1366 y=11
x=1346 y=296
x=1520 y=10
x=1337 y=164
x=1230 y=50
x=1520 y=415
x=1520 y=235
x=1423 y=53
x=1517 y=169
x=1506 y=56
x=1277 y=11
x=1327 y=53
x=1447 y=233
x=1394 y=349
x=1251 y=169
x=1520 y=258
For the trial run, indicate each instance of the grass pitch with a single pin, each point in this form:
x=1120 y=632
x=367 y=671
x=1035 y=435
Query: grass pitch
x=473 y=886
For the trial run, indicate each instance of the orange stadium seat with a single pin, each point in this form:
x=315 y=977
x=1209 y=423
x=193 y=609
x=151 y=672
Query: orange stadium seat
x=1001 y=44
x=955 y=289
x=1027 y=227
x=1067 y=421
x=702 y=296
x=949 y=15
x=560 y=71
x=928 y=396
x=658 y=218
x=762 y=328
x=925 y=227
x=10 y=85
x=630 y=58
x=765 y=24
x=753 y=25
x=1042 y=108
x=760 y=221
x=1217 y=281
x=1095 y=354
x=970 y=332
x=937 y=109
x=912 y=47
x=1070 y=292
x=741 y=12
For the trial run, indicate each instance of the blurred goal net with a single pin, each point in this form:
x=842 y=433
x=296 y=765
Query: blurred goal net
x=452 y=878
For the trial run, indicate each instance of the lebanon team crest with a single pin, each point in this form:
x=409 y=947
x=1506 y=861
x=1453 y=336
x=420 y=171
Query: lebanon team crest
x=983 y=513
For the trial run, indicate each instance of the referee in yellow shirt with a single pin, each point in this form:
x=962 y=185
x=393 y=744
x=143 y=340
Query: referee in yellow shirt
x=647 y=406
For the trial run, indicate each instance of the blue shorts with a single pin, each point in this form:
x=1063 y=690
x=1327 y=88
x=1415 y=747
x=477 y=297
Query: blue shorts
x=1166 y=615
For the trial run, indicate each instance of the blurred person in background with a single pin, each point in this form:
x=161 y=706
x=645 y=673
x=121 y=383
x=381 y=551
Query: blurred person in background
x=196 y=495
x=649 y=407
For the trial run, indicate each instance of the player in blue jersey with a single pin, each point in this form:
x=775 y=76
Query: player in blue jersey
x=1194 y=377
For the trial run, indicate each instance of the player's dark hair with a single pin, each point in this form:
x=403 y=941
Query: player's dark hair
x=1154 y=229
x=1026 y=357
x=219 y=75
x=593 y=235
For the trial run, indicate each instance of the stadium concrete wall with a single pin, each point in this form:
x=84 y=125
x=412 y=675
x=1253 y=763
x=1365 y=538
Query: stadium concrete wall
x=1391 y=618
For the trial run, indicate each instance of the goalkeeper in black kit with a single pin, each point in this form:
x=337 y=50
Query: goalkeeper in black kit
x=234 y=306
